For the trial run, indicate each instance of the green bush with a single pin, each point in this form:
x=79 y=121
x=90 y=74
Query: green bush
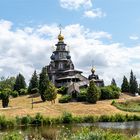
x=106 y=93
x=115 y=94
x=104 y=118
x=82 y=96
x=67 y=117
x=7 y=123
x=98 y=134
x=92 y=93
x=14 y=94
x=110 y=92
x=113 y=102
x=38 y=119
x=34 y=90
x=23 y=92
x=26 y=120
x=5 y=97
x=63 y=90
x=12 y=136
x=65 y=99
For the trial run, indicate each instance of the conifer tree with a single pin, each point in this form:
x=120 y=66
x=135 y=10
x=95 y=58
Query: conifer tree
x=43 y=83
x=133 y=85
x=19 y=83
x=113 y=82
x=125 y=85
x=34 y=83
x=51 y=92
x=92 y=93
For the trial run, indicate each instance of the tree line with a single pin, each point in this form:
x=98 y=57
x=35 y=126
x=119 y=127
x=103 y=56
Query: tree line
x=17 y=86
x=130 y=86
x=41 y=84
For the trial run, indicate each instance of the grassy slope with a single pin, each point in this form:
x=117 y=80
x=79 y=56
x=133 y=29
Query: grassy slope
x=22 y=106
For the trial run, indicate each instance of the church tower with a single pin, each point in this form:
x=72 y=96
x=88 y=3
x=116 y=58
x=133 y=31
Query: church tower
x=61 y=68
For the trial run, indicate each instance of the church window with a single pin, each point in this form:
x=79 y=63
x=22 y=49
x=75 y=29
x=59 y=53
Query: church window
x=60 y=65
x=60 y=55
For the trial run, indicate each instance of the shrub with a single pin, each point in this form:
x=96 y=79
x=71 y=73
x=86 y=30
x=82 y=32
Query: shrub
x=12 y=136
x=67 y=117
x=119 y=118
x=105 y=93
x=50 y=92
x=113 y=102
x=62 y=90
x=23 y=91
x=104 y=118
x=34 y=90
x=90 y=119
x=82 y=96
x=14 y=94
x=26 y=120
x=65 y=99
x=38 y=119
x=115 y=88
x=110 y=92
x=92 y=93
x=97 y=134
x=5 y=97
x=115 y=94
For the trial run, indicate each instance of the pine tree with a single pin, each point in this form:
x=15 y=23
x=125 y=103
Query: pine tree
x=34 y=83
x=92 y=93
x=19 y=83
x=113 y=82
x=43 y=83
x=125 y=85
x=133 y=86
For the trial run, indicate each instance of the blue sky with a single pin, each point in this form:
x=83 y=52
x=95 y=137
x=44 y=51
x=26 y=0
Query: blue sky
x=122 y=16
x=107 y=30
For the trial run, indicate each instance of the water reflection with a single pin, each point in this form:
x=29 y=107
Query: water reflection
x=54 y=132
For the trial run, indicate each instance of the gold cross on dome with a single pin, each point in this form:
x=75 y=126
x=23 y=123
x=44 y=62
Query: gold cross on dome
x=60 y=28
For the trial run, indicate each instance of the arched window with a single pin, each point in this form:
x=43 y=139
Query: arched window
x=61 y=66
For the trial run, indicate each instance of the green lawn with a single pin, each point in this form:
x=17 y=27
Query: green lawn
x=128 y=105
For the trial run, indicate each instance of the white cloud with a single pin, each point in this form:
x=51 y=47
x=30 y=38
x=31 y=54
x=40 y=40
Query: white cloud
x=134 y=37
x=94 y=13
x=75 y=4
x=23 y=50
x=87 y=5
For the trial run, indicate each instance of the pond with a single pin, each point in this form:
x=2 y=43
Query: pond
x=55 y=131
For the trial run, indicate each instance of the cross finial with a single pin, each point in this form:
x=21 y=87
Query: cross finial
x=92 y=62
x=60 y=28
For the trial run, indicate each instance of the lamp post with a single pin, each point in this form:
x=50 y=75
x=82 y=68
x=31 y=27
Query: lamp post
x=32 y=102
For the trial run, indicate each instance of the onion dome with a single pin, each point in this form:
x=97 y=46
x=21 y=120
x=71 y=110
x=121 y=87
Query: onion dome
x=52 y=57
x=68 y=56
x=60 y=37
x=93 y=70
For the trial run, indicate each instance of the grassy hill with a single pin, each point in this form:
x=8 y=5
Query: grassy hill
x=21 y=106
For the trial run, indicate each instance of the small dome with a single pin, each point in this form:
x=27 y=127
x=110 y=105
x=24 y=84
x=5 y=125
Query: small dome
x=68 y=56
x=60 y=37
x=93 y=70
x=52 y=57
